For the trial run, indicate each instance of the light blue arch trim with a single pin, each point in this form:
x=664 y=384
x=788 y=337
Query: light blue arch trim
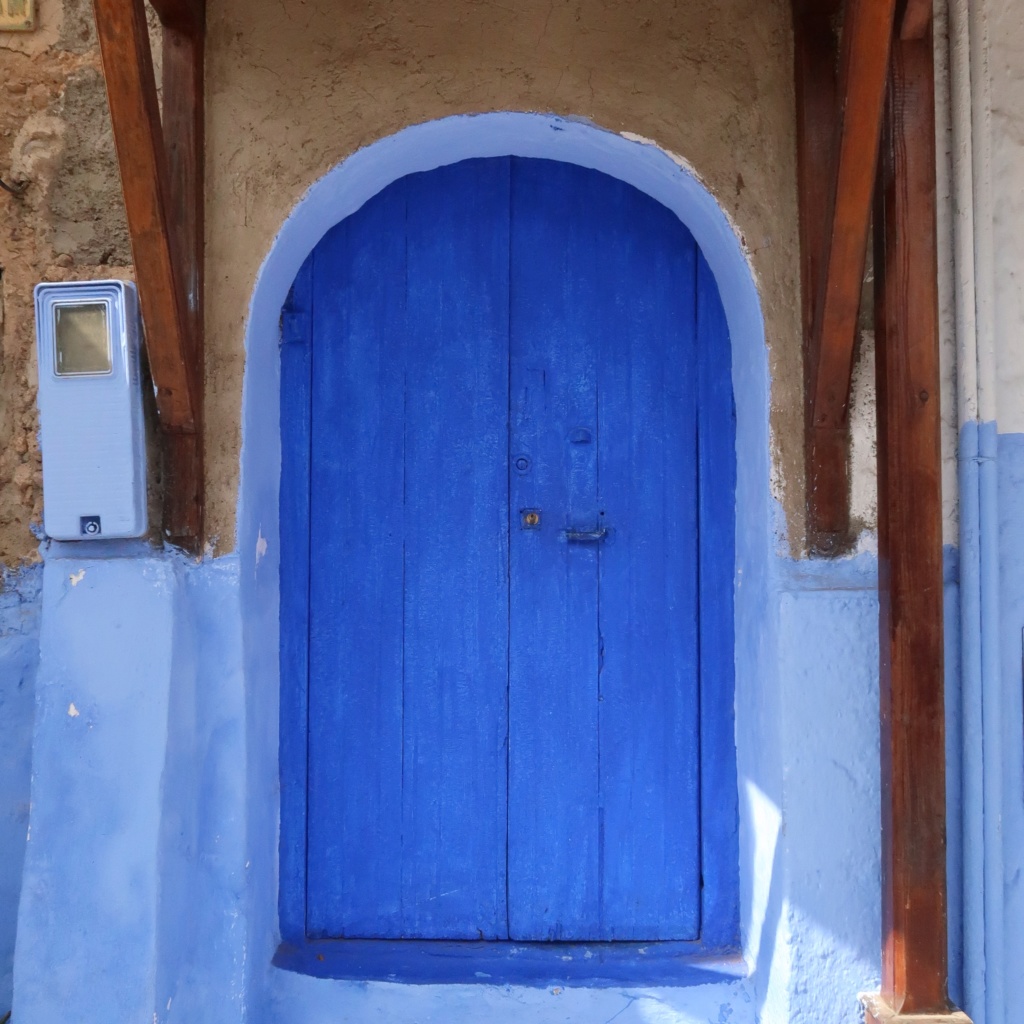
x=345 y=188
x=335 y=196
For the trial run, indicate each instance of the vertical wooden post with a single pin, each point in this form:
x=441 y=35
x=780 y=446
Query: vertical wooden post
x=183 y=130
x=910 y=550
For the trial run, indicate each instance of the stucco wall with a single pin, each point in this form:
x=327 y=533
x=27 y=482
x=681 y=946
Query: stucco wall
x=294 y=89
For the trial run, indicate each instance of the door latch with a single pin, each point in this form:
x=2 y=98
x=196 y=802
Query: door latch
x=586 y=536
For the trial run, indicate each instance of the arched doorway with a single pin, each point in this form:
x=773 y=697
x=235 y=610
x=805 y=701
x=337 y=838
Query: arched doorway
x=507 y=479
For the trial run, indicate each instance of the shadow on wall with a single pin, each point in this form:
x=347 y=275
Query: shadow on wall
x=19 y=660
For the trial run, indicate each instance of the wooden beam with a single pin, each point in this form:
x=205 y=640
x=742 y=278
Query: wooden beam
x=183 y=129
x=864 y=59
x=816 y=53
x=135 y=114
x=910 y=550
x=914 y=18
x=162 y=179
x=815 y=58
x=188 y=16
x=835 y=194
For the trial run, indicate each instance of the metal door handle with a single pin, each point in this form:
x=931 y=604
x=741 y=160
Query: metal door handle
x=586 y=536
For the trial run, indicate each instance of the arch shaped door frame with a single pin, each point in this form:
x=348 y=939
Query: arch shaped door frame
x=718 y=788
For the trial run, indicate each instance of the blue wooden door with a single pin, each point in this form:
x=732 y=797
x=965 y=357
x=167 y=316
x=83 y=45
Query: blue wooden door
x=503 y=664
x=604 y=833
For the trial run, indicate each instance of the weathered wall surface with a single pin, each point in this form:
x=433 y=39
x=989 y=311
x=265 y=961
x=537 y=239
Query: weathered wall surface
x=69 y=223
x=293 y=90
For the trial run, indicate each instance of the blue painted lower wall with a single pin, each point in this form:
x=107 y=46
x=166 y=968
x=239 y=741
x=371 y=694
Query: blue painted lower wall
x=202 y=933
x=134 y=875
x=828 y=662
x=19 y=658
x=148 y=888
x=987 y=796
x=149 y=885
x=1011 y=626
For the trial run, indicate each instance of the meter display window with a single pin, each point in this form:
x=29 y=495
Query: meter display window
x=82 y=340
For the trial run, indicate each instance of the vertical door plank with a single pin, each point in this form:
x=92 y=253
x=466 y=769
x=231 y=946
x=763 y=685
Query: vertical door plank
x=356 y=695
x=642 y=280
x=296 y=355
x=456 y=556
x=553 y=841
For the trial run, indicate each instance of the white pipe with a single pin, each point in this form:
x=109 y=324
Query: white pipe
x=988 y=508
x=979 y=526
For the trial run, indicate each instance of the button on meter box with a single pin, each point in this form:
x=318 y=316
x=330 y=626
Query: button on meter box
x=92 y=431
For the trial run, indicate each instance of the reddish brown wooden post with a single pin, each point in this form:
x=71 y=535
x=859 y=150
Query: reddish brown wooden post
x=183 y=128
x=910 y=551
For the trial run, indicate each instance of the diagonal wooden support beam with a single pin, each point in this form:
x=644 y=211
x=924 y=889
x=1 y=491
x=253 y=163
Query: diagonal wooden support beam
x=863 y=60
x=913 y=750
x=913 y=18
x=816 y=46
x=187 y=16
x=816 y=55
x=138 y=139
x=162 y=179
x=863 y=63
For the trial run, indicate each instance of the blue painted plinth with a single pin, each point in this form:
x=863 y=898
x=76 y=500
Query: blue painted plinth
x=88 y=920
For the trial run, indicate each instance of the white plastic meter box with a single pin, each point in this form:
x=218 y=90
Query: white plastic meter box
x=92 y=431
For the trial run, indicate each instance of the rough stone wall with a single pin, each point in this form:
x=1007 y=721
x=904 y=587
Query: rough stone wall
x=69 y=223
